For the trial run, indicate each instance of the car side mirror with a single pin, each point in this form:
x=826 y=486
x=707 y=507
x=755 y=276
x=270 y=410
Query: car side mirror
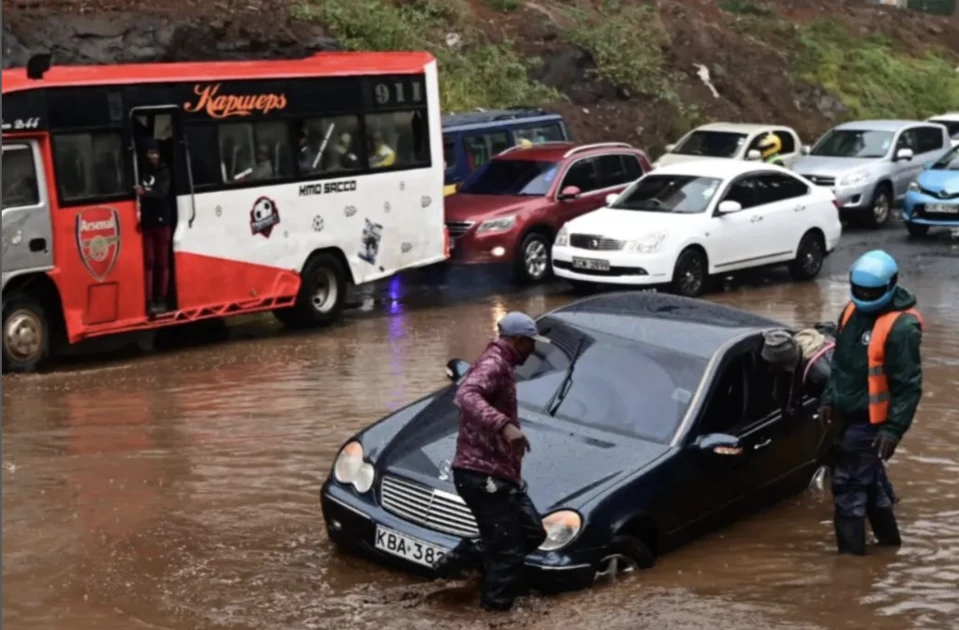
x=753 y=155
x=904 y=155
x=729 y=206
x=611 y=198
x=669 y=148
x=456 y=369
x=720 y=444
x=570 y=192
x=806 y=149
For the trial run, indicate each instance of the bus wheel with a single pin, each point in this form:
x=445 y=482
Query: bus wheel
x=322 y=294
x=26 y=335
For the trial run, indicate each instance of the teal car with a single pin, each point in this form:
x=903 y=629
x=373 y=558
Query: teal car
x=933 y=199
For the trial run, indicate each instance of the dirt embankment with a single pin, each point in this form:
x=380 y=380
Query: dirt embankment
x=636 y=70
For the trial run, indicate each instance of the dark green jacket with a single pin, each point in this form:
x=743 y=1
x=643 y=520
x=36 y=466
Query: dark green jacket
x=848 y=387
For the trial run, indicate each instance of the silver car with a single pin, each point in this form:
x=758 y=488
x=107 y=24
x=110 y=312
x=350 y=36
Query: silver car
x=869 y=164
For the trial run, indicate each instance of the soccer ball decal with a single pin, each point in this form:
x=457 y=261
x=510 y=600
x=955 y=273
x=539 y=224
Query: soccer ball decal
x=406 y=248
x=426 y=201
x=317 y=223
x=264 y=216
x=386 y=207
x=349 y=211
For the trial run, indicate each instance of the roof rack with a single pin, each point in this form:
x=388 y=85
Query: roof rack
x=535 y=145
x=598 y=145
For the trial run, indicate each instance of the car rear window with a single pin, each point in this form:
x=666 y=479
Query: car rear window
x=511 y=177
x=951 y=125
x=721 y=144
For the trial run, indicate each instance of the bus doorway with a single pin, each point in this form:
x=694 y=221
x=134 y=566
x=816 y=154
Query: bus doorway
x=163 y=183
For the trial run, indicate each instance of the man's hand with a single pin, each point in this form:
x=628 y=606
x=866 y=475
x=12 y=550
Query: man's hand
x=139 y=190
x=826 y=415
x=885 y=445
x=516 y=439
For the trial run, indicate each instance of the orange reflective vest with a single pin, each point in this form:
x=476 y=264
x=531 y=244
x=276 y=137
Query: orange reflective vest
x=878 y=383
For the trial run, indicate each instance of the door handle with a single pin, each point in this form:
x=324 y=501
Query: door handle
x=755 y=219
x=763 y=444
x=38 y=244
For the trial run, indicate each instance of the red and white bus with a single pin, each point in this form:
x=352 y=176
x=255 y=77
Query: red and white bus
x=256 y=226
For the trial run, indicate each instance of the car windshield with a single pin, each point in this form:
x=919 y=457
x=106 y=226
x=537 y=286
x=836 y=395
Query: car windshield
x=682 y=194
x=635 y=389
x=721 y=144
x=511 y=177
x=948 y=162
x=854 y=143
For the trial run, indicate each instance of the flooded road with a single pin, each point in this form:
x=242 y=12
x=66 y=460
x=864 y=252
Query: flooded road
x=180 y=490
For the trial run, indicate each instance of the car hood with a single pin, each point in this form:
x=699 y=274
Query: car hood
x=940 y=180
x=565 y=462
x=626 y=224
x=678 y=158
x=463 y=207
x=830 y=166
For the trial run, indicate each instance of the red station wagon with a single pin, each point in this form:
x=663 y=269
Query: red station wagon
x=509 y=210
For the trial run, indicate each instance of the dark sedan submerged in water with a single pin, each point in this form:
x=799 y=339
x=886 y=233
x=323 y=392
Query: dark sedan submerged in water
x=652 y=420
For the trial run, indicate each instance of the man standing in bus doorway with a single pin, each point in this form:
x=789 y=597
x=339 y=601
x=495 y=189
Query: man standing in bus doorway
x=488 y=462
x=155 y=217
x=873 y=391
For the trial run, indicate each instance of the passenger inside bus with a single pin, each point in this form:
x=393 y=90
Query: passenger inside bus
x=382 y=155
x=306 y=157
x=346 y=158
x=264 y=166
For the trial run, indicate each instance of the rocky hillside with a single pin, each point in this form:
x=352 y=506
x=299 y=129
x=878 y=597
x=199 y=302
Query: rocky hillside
x=642 y=71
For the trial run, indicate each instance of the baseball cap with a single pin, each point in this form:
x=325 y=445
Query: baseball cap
x=518 y=324
x=780 y=348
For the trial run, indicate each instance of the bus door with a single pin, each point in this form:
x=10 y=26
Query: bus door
x=163 y=124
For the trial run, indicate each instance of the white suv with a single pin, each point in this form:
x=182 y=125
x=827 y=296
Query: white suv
x=680 y=224
x=732 y=141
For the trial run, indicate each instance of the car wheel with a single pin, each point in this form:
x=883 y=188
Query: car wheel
x=881 y=207
x=691 y=274
x=917 y=230
x=809 y=257
x=322 y=294
x=533 y=259
x=26 y=335
x=625 y=555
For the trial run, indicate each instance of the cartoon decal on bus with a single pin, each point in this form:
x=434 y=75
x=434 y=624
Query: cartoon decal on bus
x=268 y=165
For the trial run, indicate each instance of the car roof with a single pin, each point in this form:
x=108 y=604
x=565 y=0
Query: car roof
x=457 y=121
x=556 y=151
x=950 y=116
x=880 y=125
x=714 y=167
x=737 y=127
x=686 y=325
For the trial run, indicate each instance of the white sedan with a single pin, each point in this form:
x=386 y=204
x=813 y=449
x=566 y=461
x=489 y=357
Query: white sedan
x=681 y=224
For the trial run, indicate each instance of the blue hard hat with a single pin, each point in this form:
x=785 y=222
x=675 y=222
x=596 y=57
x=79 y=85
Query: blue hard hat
x=873 y=279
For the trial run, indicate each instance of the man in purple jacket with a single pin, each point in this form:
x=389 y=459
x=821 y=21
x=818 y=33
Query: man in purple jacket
x=488 y=462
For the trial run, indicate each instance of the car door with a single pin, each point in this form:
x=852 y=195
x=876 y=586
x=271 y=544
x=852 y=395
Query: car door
x=784 y=211
x=731 y=241
x=932 y=143
x=584 y=175
x=906 y=170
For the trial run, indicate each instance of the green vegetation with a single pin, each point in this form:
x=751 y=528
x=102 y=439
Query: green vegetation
x=745 y=7
x=627 y=43
x=871 y=78
x=504 y=6
x=474 y=71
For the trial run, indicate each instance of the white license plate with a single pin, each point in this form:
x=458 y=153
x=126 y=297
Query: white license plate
x=591 y=264
x=407 y=547
x=942 y=208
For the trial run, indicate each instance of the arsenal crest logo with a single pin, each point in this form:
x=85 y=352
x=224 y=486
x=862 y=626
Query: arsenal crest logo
x=98 y=240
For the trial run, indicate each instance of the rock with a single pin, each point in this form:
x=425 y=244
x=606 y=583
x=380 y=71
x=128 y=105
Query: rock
x=102 y=26
x=14 y=53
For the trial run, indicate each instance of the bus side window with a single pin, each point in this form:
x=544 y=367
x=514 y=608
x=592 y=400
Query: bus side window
x=329 y=145
x=397 y=139
x=550 y=132
x=90 y=165
x=255 y=151
x=204 y=156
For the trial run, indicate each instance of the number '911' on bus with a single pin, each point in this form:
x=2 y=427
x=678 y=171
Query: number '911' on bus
x=148 y=195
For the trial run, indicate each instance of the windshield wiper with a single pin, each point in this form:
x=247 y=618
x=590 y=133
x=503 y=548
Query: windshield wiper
x=563 y=389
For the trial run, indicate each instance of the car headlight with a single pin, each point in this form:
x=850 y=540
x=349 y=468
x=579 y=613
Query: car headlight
x=562 y=237
x=852 y=179
x=500 y=224
x=647 y=244
x=350 y=468
x=561 y=528
x=914 y=186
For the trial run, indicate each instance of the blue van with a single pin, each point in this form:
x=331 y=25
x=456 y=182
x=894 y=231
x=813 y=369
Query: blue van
x=470 y=140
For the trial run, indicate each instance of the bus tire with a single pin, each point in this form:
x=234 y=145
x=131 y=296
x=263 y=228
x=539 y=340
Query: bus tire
x=26 y=334
x=322 y=294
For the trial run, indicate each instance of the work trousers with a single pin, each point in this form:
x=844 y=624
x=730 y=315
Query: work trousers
x=509 y=527
x=859 y=481
x=156 y=262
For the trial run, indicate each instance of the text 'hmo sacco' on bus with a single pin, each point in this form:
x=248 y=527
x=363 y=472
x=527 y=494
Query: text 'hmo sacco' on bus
x=290 y=180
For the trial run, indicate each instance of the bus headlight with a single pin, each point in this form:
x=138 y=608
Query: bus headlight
x=350 y=468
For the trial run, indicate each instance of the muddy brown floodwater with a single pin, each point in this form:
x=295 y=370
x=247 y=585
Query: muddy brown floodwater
x=180 y=491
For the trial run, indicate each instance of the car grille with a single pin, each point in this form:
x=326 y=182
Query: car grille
x=940 y=194
x=821 y=181
x=427 y=506
x=587 y=241
x=458 y=228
